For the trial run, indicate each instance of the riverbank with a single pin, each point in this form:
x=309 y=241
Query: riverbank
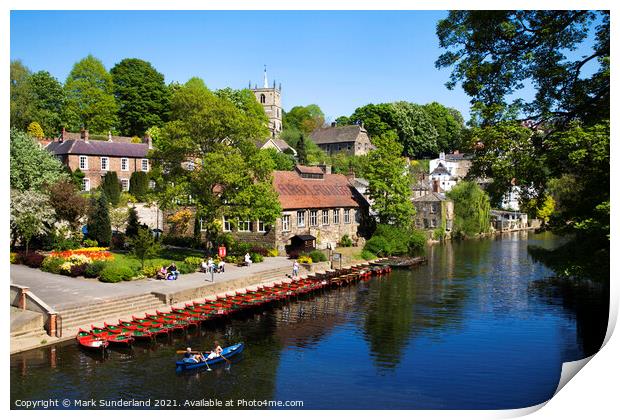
x=81 y=302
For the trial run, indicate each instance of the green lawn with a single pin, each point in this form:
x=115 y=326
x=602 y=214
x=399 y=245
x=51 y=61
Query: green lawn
x=164 y=257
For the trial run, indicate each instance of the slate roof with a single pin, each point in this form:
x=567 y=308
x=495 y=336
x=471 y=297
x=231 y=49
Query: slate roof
x=440 y=170
x=341 y=134
x=432 y=196
x=98 y=148
x=333 y=190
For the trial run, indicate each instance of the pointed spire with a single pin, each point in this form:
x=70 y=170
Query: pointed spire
x=265 y=82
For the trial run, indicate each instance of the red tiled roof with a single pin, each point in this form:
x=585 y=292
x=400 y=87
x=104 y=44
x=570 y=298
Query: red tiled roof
x=296 y=192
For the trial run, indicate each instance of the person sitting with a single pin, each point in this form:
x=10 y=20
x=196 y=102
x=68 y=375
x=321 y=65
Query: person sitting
x=248 y=260
x=211 y=264
x=194 y=355
x=220 y=266
x=173 y=271
x=203 y=266
x=161 y=273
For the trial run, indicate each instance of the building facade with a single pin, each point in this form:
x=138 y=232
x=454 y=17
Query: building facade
x=434 y=210
x=350 y=139
x=449 y=169
x=271 y=100
x=95 y=158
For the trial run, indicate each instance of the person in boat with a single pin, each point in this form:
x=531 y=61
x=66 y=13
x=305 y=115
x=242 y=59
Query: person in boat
x=197 y=356
x=172 y=269
x=216 y=352
x=161 y=273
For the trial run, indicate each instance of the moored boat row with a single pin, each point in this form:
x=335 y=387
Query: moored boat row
x=191 y=315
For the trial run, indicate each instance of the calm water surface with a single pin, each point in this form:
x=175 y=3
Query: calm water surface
x=481 y=327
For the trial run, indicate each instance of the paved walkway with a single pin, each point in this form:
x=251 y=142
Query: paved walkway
x=62 y=291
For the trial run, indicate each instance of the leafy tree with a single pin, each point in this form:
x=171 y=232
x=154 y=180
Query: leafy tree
x=31 y=215
x=281 y=161
x=139 y=185
x=118 y=218
x=390 y=240
x=111 y=186
x=342 y=120
x=69 y=205
x=98 y=225
x=471 y=209
x=449 y=126
x=90 y=102
x=389 y=183
x=133 y=223
x=31 y=166
x=144 y=245
x=22 y=97
x=245 y=101
x=142 y=96
x=304 y=118
x=343 y=163
x=35 y=130
x=415 y=129
x=377 y=119
x=494 y=54
x=48 y=101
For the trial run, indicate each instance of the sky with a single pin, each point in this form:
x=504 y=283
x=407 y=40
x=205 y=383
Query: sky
x=339 y=60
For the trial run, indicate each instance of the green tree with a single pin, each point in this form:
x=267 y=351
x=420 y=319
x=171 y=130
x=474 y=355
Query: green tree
x=118 y=218
x=389 y=183
x=111 y=187
x=302 y=154
x=142 y=96
x=90 y=102
x=304 y=118
x=139 y=185
x=449 y=125
x=415 y=129
x=377 y=119
x=31 y=166
x=133 y=223
x=35 y=130
x=48 y=101
x=22 y=97
x=281 y=161
x=69 y=205
x=98 y=226
x=471 y=209
x=144 y=245
x=31 y=215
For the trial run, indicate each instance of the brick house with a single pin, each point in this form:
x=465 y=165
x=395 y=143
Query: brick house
x=433 y=210
x=349 y=139
x=97 y=157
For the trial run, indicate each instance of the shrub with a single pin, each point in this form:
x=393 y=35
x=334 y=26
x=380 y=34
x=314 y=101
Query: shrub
x=193 y=261
x=90 y=243
x=317 y=256
x=390 y=240
x=149 y=271
x=346 y=241
x=14 y=258
x=304 y=259
x=185 y=268
x=78 y=270
x=52 y=264
x=273 y=253
x=119 y=241
x=115 y=274
x=367 y=255
x=256 y=258
x=94 y=269
x=62 y=243
x=32 y=259
x=377 y=245
x=139 y=185
x=241 y=248
x=259 y=250
x=231 y=259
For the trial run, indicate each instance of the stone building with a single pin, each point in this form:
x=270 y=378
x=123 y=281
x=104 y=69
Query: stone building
x=433 y=211
x=349 y=139
x=505 y=221
x=270 y=99
x=449 y=169
x=97 y=157
x=278 y=145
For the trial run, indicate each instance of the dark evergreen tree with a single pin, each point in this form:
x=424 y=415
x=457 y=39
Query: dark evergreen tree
x=111 y=187
x=139 y=185
x=133 y=223
x=98 y=226
x=302 y=154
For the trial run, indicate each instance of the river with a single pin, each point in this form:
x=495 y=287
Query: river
x=482 y=326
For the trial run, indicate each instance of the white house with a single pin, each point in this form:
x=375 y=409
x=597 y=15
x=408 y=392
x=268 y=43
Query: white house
x=448 y=169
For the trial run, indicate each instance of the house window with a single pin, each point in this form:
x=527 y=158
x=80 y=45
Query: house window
x=124 y=164
x=105 y=163
x=261 y=226
x=85 y=184
x=83 y=162
x=336 y=216
x=262 y=98
x=326 y=217
x=301 y=218
x=314 y=217
x=286 y=223
x=145 y=165
x=226 y=225
x=245 y=226
x=203 y=225
x=125 y=184
x=347 y=215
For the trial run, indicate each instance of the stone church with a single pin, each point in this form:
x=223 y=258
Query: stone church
x=270 y=99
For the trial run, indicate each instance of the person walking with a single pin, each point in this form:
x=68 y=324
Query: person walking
x=295 y=269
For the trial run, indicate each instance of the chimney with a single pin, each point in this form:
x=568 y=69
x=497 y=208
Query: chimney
x=84 y=134
x=63 y=135
x=327 y=169
x=110 y=136
x=351 y=174
x=456 y=152
x=149 y=141
x=442 y=156
x=435 y=185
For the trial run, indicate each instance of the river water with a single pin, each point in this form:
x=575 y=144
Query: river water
x=481 y=326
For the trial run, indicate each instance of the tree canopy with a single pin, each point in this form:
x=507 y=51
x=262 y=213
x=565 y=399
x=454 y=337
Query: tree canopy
x=304 y=118
x=141 y=94
x=90 y=102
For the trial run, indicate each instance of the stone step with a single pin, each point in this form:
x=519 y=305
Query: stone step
x=28 y=334
x=137 y=308
x=65 y=312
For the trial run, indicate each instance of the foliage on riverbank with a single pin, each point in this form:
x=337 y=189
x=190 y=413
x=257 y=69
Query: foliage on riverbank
x=471 y=209
x=390 y=240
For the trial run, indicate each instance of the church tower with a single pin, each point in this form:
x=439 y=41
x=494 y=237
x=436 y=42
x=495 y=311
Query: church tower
x=269 y=98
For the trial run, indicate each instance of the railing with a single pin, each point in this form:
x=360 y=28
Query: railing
x=23 y=298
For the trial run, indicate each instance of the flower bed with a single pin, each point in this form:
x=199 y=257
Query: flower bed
x=93 y=254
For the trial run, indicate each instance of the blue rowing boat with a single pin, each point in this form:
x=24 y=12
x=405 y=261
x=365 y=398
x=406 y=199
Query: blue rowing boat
x=227 y=352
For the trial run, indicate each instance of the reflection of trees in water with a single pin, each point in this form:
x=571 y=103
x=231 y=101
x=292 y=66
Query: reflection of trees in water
x=587 y=301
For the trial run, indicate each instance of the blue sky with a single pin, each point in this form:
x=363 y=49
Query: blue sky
x=337 y=59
